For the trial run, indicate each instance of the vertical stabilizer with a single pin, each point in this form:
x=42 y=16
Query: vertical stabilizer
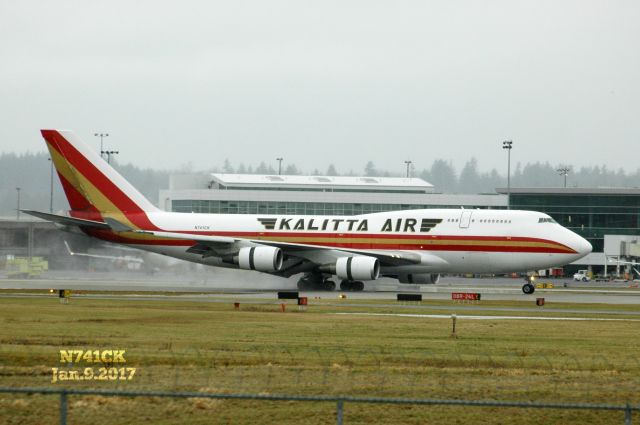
x=94 y=189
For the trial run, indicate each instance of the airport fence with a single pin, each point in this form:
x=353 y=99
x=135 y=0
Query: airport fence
x=339 y=401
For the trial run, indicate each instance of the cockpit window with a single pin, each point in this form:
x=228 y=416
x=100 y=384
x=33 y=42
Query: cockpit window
x=546 y=220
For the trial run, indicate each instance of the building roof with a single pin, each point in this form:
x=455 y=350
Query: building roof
x=328 y=182
x=571 y=190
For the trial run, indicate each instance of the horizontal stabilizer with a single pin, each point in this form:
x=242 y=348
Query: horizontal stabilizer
x=66 y=220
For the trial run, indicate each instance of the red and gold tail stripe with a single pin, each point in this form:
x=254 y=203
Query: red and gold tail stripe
x=93 y=185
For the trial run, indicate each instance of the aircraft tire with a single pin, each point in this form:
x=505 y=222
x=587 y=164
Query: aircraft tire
x=358 y=286
x=528 y=288
x=329 y=285
x=346 y=285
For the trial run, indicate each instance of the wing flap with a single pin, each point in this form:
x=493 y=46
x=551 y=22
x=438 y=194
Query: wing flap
x=189 y=236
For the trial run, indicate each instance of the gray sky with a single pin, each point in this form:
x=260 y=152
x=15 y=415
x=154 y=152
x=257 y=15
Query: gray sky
x=324 y=82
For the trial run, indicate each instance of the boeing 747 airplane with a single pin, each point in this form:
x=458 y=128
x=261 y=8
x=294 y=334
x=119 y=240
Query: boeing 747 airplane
x=413 y=246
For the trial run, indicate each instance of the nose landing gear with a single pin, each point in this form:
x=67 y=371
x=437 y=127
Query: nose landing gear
x=529 y=288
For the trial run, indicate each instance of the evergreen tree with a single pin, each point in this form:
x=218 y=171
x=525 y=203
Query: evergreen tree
x=291 y=170
x=263 y=169
x=370 y=170
x=443 y=176
x=331 y=171
x=227 y=167
x=470 y=178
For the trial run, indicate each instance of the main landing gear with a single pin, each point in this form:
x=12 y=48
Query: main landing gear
x=318 y=282
x=351 y=285
x=315 y=282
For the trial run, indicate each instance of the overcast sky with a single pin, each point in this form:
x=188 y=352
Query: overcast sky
x=325 y=82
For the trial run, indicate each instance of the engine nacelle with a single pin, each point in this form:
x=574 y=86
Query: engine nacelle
x=260 y=258
x=419 y=278
x=358 y=268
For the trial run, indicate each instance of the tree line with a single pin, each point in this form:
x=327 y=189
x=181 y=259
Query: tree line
x=31 y=173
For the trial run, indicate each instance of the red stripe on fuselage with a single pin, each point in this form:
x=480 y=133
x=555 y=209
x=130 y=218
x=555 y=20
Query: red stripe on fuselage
x=125 y=204
x=413 y=236
x=343 y=241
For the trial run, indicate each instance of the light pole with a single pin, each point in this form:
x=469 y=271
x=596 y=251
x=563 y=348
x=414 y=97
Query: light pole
x=563 y=172
x=51 y=188
x=507 y=144
x=279 y=165
x=101 y=136
x=408 y=162
x=109 y=153
x=18 y=208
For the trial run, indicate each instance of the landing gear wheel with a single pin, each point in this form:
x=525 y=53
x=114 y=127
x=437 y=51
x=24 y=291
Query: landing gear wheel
x=351 y=285
x=329 y=285
x=528 y=288
x=346 y=285
x=311 y=282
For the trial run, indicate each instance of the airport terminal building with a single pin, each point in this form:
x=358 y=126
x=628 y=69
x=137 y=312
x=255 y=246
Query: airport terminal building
x=307 y=195
x=609 y=218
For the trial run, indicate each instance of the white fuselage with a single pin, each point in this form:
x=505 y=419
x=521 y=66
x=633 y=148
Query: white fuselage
x=447 y=240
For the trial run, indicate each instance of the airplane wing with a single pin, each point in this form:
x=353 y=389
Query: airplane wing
x=387 y=258
x=213 y=245
x=298 y=257
x=207 y=245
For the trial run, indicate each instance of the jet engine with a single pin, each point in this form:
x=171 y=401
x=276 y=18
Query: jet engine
x=260 y=258
x=419 y=278
x=357 y=268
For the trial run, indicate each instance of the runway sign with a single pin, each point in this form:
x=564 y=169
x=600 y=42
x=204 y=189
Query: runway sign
x=465 y=296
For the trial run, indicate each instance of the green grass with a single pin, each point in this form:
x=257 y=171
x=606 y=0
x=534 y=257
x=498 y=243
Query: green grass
x=192 y=346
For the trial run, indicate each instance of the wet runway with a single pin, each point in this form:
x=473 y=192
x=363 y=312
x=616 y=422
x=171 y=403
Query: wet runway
x=256 y=288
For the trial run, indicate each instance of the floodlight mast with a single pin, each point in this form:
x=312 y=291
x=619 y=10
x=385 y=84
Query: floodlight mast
x=408 y=162
x=564 y=171
x=508 y=145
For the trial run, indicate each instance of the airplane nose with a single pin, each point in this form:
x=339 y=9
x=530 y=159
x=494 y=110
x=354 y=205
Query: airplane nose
x=583 y=246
